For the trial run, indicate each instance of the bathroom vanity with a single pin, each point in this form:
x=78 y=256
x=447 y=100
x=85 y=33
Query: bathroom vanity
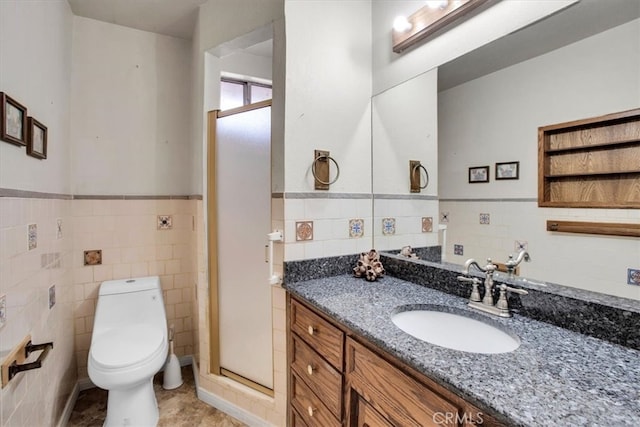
x=350 y=365
x=336 y=375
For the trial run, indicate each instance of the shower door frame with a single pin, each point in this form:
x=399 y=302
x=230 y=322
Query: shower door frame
x=212 y=244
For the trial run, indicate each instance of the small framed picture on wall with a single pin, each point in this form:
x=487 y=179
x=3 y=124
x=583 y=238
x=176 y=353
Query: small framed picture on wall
x=478 y=174
x=13 y=128
x=36 y=139
x=508 y=170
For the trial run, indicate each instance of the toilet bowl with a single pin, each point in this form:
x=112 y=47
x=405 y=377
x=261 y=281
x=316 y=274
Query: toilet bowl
x=128 y=347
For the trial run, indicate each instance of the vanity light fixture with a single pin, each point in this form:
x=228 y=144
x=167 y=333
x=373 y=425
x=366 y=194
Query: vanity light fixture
x=436 y=15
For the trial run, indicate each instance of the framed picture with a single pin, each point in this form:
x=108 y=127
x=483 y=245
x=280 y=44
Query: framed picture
x=508 y=170
x=479 y=174
x=36 y=139
x=13 y=128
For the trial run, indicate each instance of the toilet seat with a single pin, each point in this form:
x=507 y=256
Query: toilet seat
x=135 y=344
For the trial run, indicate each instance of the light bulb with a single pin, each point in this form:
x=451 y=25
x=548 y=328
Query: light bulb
x=437 y=4
x=401 y=24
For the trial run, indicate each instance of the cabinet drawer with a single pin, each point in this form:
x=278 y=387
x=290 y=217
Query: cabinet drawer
x=311 y=410
x=319 y=375
x=400 y=398
x=296 y=420
x=325 y=338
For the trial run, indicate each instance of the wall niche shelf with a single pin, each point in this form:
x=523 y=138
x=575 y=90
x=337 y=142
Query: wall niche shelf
x=590 y=163
x=611 y=229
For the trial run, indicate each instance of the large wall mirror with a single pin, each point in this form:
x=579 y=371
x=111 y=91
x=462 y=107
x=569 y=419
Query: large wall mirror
x=484 y=108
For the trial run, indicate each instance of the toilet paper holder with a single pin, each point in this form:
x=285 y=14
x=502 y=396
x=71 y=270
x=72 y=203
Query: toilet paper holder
x=15 y=362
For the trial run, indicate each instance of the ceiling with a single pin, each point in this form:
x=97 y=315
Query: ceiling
x=578 y=21
x=587 y=17
x=174 y=18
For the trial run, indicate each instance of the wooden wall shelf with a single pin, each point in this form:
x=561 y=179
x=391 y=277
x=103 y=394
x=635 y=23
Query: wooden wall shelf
x=611 y=229
x=590 y=163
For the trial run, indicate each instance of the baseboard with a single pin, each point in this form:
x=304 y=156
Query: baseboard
x=68 y=407
x=226 y=406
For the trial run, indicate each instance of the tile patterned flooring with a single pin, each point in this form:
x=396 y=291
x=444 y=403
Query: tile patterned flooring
x=178 y=408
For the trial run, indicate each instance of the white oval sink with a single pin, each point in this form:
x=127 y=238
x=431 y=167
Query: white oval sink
x=455 y=331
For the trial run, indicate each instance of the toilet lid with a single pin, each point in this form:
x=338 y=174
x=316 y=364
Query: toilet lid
x=118 y=348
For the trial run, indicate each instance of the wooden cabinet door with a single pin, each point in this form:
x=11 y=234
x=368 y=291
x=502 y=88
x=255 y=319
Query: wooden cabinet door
x=400 y=398
x=366 y=416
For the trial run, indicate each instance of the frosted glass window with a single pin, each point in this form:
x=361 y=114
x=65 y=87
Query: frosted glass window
x=260 y=93
x=236 y=93
x=231 y=95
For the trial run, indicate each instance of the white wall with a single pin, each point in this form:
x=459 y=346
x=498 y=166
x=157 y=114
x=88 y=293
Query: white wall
x=130 y=111
x=328 y=93
x=405 y=127
x=328 y=107
x=35 y=69
x=219 y=22
x=495 y=119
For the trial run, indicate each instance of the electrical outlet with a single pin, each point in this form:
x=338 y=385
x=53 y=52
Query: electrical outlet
x=52 y=296
x=3 y=310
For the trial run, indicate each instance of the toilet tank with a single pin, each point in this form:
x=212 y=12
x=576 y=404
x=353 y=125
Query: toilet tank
x=130 y=301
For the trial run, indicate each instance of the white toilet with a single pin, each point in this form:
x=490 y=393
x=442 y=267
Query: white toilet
x=128 y=347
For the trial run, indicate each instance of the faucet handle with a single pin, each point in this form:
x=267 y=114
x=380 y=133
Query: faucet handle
x=475 y=293
x=503 y=304
x=514 y=290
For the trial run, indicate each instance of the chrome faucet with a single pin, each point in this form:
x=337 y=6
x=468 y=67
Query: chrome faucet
x=513 y=263
x=501 y=308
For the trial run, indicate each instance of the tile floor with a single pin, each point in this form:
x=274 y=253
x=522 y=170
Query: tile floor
x=178 y=408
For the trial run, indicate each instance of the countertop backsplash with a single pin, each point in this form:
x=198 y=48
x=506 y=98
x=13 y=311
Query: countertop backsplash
x=610 y=318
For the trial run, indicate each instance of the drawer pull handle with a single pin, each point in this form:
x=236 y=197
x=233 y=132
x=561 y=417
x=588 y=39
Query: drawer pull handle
x=311 y=411
x=311 y=330
x=310 y=369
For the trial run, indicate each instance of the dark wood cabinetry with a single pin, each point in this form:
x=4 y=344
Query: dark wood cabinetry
x=337 y=378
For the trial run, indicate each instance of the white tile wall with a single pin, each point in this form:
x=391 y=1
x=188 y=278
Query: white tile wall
x=596 y=263
x=330 y=227
x=408 y=214
x=132 y=246
x=37 y=397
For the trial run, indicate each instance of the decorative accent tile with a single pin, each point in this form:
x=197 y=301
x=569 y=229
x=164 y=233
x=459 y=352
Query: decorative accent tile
x=485 y=218
x=356 y=227
x=521 y=245
x=304 y=230
x=165 y=222
x=59 y=228
x=458 y=250
x=52 y=296
x=33 y=236
x=388 y=226
x=93 y=257
x=633 y=277
x=444 y=217
x=427 y=224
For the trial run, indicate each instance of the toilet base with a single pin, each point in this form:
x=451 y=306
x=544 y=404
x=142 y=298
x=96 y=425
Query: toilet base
x=134 y=406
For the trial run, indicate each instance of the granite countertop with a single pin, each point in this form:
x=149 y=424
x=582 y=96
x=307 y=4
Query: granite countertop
x=555 y=377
